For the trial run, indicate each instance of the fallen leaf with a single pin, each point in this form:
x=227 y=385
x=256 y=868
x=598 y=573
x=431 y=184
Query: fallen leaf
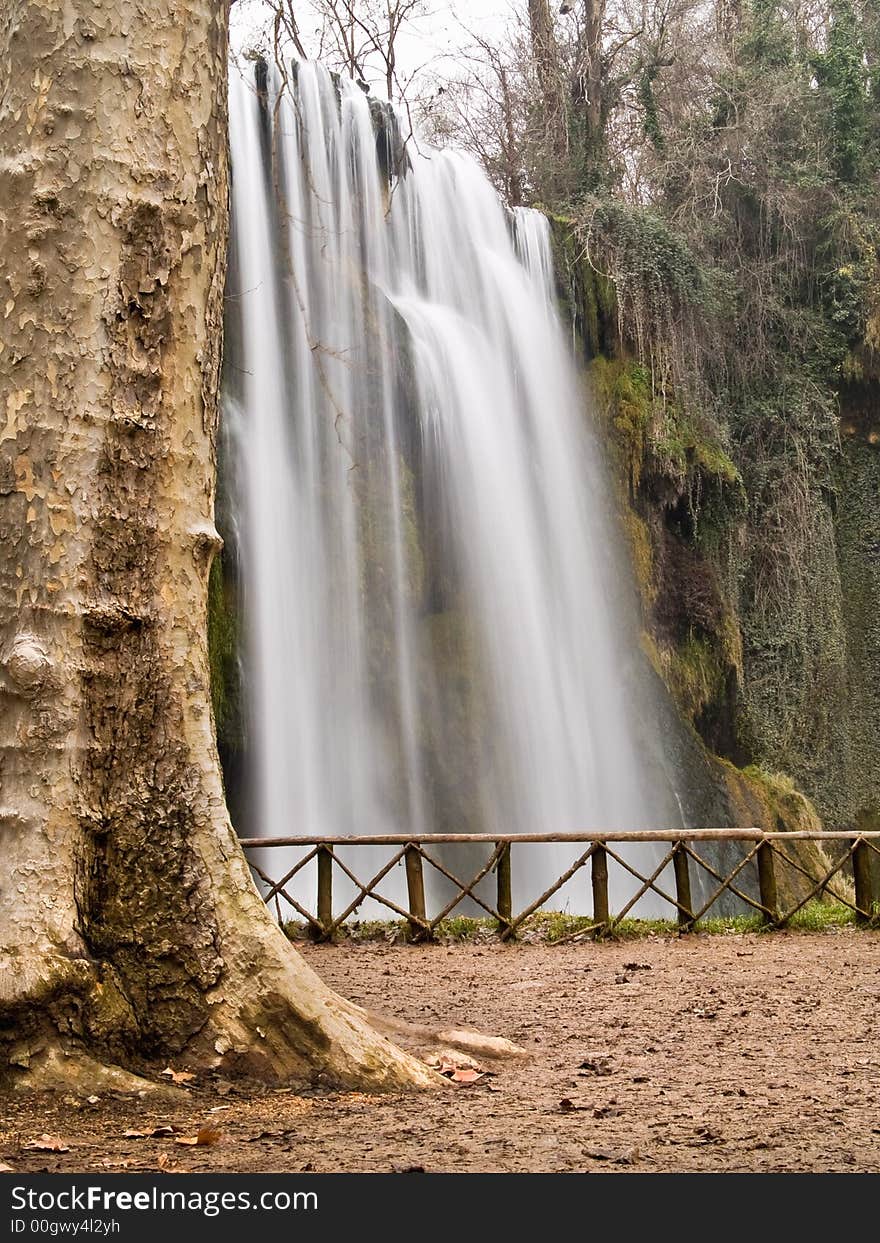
x=162 y=1132
x=6 y=1169
x=206 y=1136
x=47 y=1143
x=465 y=1075
x=163 y=1161
x=178 y=1076
x=459 y=1072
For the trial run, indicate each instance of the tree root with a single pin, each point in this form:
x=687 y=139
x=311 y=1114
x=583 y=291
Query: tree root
x=427 y=1042
x=79 y=1074
x=74 y=1031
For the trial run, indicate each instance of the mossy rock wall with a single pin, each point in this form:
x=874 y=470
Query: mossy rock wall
x=857 y=531
x=780 y=677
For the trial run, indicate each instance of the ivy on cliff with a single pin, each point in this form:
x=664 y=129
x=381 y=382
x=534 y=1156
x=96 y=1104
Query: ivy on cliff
x=745 y=275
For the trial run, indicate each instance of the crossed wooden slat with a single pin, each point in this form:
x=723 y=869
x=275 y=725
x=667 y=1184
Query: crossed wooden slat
x=424 y=926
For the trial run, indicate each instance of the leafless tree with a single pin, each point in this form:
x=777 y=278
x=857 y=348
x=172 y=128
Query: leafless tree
x=358 y=37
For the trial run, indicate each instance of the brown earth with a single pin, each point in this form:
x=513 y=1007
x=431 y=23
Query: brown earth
x=706 y=1053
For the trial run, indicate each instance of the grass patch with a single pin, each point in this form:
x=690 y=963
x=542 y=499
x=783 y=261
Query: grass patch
x=818 y=916
x=555 y=926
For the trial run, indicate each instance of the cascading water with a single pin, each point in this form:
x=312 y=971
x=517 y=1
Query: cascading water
x=433 y=600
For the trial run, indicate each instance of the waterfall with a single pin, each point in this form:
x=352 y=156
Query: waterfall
x=438 y=638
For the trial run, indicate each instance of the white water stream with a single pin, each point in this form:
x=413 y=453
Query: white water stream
x=435 y=606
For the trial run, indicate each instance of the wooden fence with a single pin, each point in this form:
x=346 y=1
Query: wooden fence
x=858 y=853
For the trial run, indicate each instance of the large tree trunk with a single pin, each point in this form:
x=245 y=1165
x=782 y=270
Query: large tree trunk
x=551 y=79
x=591 y=87
x=130 y=927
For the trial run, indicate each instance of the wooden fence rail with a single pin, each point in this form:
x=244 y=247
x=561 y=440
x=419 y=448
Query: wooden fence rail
x=762 y=853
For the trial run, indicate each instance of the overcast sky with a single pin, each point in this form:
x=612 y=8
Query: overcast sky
x=432 y=39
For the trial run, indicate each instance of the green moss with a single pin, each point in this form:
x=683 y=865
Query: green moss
x=223 y=650
x=642 y=556
x=684 y=448
x=587 y=296
x=772 y=801
x=695 y=670
x=697 y=673
x=623 y=389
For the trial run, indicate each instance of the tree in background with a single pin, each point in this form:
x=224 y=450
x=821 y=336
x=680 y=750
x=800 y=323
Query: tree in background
x=358 y=37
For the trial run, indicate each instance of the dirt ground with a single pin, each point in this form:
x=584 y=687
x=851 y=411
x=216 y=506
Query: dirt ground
x=706 y=1053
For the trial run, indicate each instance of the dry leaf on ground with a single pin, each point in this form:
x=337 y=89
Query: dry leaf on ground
x=459 y=1072
x=466 y=1075
x=48 y=1143
x=207 y=1135
x=178 y=1076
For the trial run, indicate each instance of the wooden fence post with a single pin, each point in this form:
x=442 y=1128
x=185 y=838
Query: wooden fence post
x=599 y=879
x=505 y=891
x=767 y=883
x=683 y=887
x=415 y=888
x=864 y=882
x=325 y=892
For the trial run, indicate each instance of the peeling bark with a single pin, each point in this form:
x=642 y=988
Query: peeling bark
x=130 y=928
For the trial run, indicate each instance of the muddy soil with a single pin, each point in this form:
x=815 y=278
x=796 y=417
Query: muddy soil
x=706 y=1053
